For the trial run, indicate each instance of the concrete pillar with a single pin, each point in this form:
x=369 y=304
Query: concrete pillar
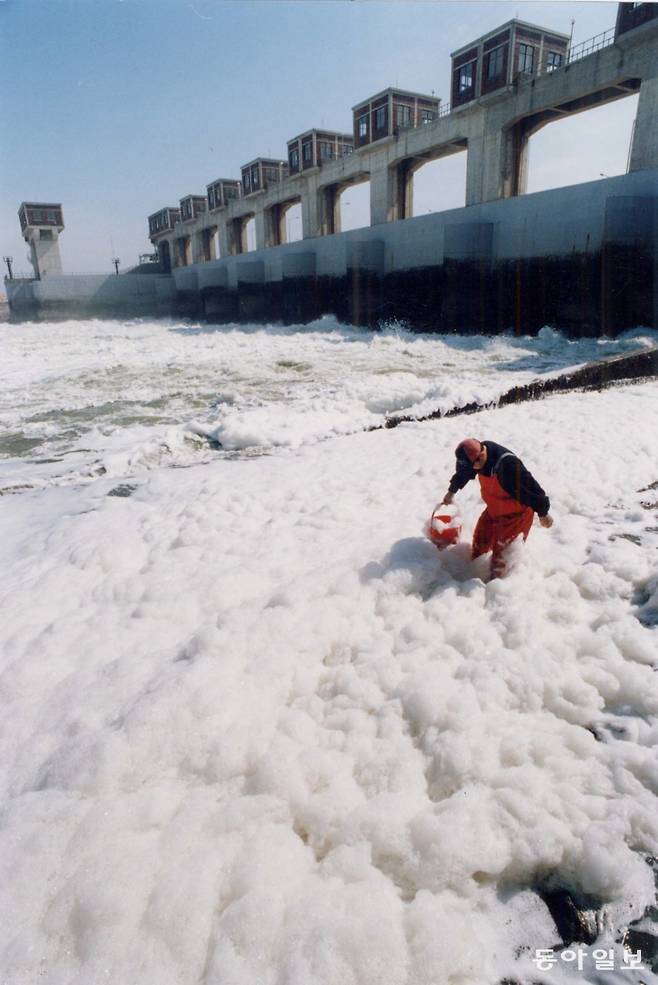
x=198 y=246
x=382 y=194
x=274 y=225
x=208 y=243
x=328 y=201
x=402 y=204
x=223 y=239
x=514 y=163
x=475 y=171
x=261 y=228
x=310 y=200
x=233 y=237
x=496 y=165
x=522 y=165
x=644 y=149
x=280 y=223
x=44 y=252
x=179 y=251
x=391 y=193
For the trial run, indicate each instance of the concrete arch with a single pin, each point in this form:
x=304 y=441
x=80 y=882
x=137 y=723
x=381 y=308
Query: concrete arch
x=329 y=202
x=235 y=235
x=275 y=221
x=516 y=136
x=401 y=186
x=209 y=243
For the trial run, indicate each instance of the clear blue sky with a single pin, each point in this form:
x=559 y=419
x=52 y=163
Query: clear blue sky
x=119 y=107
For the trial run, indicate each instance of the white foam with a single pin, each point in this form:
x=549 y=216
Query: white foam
x=257 y=729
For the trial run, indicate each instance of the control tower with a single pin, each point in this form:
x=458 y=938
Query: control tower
x=41 y=224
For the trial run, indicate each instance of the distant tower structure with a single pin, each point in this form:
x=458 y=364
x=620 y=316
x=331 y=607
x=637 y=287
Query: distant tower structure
x=41 y=224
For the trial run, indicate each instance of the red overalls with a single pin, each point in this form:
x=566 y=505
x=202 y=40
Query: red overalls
x=502 y=521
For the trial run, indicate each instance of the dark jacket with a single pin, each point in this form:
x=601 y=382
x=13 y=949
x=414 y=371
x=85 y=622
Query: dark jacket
x=512 y=475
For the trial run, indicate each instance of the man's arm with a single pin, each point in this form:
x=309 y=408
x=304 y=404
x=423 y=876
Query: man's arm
x=458 y=481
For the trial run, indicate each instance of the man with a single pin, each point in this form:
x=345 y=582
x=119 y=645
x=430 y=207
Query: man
x=511 y=494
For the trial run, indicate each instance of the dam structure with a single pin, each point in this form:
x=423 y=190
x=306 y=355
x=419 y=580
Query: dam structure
x=582 y=258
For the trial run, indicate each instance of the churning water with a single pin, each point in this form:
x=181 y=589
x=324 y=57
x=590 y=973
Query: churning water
x=81 y=399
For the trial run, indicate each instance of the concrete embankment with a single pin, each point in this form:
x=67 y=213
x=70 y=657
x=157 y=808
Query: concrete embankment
x=616 y=370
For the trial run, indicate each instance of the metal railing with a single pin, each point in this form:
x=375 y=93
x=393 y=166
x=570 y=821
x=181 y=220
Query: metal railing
x=573 y=54
x=585 y=48
x=430 y=117
x=334 y=155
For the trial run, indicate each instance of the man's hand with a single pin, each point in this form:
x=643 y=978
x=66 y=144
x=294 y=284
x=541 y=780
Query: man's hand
x=546 y=521
x=448 y=498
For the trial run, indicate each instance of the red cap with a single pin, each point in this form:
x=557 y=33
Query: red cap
x=468 y=449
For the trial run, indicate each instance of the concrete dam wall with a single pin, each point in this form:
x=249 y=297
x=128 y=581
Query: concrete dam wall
x=583 y=259
x=90 y=295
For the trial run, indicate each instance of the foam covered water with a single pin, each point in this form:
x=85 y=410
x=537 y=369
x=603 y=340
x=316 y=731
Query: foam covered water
x=255 y=728
x=81 y=399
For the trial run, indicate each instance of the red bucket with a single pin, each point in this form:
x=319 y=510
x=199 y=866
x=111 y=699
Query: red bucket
x=444 y=528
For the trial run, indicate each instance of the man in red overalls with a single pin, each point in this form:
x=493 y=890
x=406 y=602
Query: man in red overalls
x=511 y=494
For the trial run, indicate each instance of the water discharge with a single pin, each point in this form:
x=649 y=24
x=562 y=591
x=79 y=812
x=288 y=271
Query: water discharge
x=87 y=398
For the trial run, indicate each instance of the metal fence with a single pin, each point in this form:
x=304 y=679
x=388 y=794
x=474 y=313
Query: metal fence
x=428 y=118
x=574 y=54
x=585 y=48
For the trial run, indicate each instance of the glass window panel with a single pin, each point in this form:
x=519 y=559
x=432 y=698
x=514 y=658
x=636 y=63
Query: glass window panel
x=495 y=63
x=526 y=58
x=403 y=116
x=466 y=77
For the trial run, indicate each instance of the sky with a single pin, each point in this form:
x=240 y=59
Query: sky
x=117 y=108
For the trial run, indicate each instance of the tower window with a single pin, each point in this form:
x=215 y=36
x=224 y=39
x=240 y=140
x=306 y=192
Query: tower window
x=553 y=60
x=495 y=62
x=403 y=116
x=466 y=73
x=526 y=58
